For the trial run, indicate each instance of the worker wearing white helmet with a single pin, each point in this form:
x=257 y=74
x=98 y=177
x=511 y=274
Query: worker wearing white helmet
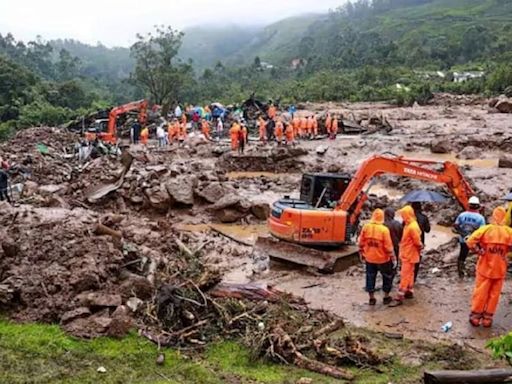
x=466 y=223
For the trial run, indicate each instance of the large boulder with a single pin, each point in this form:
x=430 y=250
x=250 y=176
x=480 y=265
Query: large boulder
x=158 y=198
x=261 y=210
x=181 y=190
x=504 y=105
x=470 y=153
x=229 y=215
x=440 y=146
x=212 y=193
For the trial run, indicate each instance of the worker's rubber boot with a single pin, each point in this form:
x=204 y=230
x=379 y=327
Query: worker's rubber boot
x=487 y=321
x=475 y=319
x=460 y=268
x=409 y=295
x=387 y=300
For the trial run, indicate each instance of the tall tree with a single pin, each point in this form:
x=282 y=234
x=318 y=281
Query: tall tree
x=157 y=70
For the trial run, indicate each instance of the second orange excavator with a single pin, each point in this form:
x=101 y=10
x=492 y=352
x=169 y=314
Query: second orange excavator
x=108 y=134
x=320 y=228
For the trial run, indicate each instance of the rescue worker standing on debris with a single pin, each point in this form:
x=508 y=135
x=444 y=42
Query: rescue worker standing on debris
x=410 y=249
x=205 y=129
x=272 y=110
x=279 y=132
x=296 y=126
x=376 y=250
x=492 y=242
x=289 y=134
x=144 y=136
x=233 y=132
x=328 y=124
x=262 y=129
x=467 y=223
x=4 y=185
x=334 y=128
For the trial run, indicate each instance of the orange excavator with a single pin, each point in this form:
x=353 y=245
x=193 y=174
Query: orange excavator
x=320 y=228
x=108 y=134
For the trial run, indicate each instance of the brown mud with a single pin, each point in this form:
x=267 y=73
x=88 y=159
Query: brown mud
x=58 y=264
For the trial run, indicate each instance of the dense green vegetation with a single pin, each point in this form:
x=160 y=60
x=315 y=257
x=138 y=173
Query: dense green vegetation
x=360 y=51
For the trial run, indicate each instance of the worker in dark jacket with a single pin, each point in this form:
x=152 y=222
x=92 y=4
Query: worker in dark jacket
x=424 y=225
x=396 y=228
x=4 y=184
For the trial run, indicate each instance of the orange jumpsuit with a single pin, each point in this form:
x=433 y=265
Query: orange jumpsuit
x=173 y=131
x=262 y=129
x=182 y=129
x=279 y=132
x=309 y=126
x=303 y=126
x=375 y=240
x=410 y=248
x=144 y=136
x=315 y=126
x=296 y=126
x=289 y=133
x=272 y=110
x=205 y=129
x=244 y=130
x=494 y=242
x=328 y=124
x=184 y=119
x=233 y=132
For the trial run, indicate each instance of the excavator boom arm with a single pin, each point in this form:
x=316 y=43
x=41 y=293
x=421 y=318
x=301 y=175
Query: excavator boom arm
x=377 y=165
x=140 y=105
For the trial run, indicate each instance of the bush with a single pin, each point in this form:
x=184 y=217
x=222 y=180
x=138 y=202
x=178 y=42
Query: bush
x=43 y=113
x=502 y=347
x=500 y=78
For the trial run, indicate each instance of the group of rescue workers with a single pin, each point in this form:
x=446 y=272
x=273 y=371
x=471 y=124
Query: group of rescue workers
x=384 y=241
x=273 y=126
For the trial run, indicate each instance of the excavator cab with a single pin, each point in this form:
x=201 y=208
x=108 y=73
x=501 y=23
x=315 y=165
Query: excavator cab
x=322 y=190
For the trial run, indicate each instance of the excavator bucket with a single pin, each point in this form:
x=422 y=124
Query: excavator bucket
x=329 y=261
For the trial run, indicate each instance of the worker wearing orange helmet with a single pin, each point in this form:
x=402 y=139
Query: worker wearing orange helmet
x=492 y=242
x=272 y=110
x=205 y=129
x=376 y=250
x=410 y=248
x=289 y=133
x=334 y=128
x=296 y=125
x=144 y=136
x=262 y=127
x=303 y=126
x=328 y=123
x=279 y=131
x=234 y=132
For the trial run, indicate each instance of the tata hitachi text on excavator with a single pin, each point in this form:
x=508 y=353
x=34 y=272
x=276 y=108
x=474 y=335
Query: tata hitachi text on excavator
x=319 y=229
x=108 y=133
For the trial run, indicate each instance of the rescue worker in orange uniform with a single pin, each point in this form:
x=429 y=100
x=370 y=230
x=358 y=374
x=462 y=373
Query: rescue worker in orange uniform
x=205 y=129
x=233 y=132
x=303 y=127
x=173 y=131
x=309 y=126
x=262 y=127
x=289 y=133
x=272 y=110
x=334 y=128
x=296 y=126
x=376 y=250
x=144 y=136
x=315 y=126
x=184 y=119
x=182 y=129
x=279 y=132
x=410 y=248
x=492 y=242
x=328 y=123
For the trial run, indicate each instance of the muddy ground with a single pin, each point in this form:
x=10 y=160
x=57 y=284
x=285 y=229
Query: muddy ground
x=54 y=255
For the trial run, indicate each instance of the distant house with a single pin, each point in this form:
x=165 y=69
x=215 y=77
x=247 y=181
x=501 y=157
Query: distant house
x=297 y=63
x=266 y=65
x=459 y=77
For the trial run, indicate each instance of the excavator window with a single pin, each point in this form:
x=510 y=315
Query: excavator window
x=323 y=190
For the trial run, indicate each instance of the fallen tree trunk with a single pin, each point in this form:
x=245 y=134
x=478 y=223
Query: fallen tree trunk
x=489 y=376
x=101 y=229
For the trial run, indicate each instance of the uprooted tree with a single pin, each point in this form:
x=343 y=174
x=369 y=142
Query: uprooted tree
x=158 y=70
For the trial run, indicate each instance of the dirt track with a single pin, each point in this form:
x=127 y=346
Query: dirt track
x=179 y=191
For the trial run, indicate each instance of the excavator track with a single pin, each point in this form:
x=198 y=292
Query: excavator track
x=330 y=261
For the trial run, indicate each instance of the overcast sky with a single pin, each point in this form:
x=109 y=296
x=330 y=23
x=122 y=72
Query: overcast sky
x=115 y=22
